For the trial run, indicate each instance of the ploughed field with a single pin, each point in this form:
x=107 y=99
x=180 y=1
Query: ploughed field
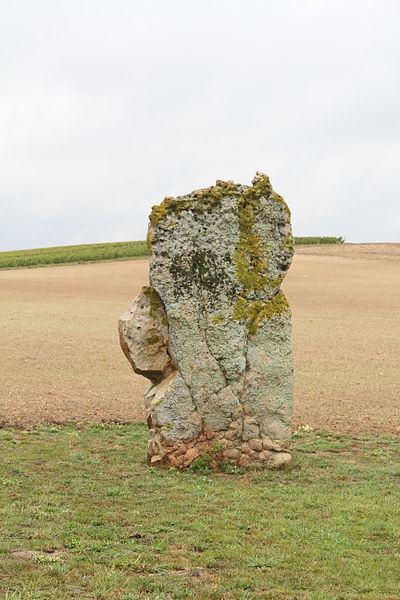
x=60 y=359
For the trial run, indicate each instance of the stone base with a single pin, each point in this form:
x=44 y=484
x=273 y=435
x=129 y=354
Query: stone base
x=255 y=452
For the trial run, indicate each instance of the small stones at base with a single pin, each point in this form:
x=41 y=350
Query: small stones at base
x=256 y=445
x=244 y=454
x=280 y=460
x=251 y=429
x=190 y=455
x=232 y=454
x=156 y=458
x=244 y=460
x=270 y=445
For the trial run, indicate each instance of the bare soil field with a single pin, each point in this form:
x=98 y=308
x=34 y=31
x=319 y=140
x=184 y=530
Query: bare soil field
x=60 y=359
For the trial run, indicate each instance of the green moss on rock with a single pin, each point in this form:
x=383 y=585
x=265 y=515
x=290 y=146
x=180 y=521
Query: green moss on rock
x=275 y=283
x=155 y=300
x=199 y=201
x=149 y=239
x=218 y=319
x=250 y=257
x=278 y=198
x=250 y=266
x=255 y=311
x=262 y=185
x=289 y=242
x=153 y=339
x=208 y=199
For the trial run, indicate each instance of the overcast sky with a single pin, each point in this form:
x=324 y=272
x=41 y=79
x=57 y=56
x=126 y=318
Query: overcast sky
x=108 y=106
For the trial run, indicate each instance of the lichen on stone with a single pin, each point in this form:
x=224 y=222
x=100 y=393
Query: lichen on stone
x=143 y=338
x=255 y=311
x=218 y=319
x=149 y=239
x=199 y=270
x=250 y=266
x=289 y=242
x=261 y=184
x=276 y=282
x=278 y=198
x=155 y=300
x=199 y=202
x=218 y=258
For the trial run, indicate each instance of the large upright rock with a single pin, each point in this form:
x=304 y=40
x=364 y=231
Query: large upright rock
x=213 y=331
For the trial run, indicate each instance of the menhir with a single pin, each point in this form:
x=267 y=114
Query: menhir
x=212 y=331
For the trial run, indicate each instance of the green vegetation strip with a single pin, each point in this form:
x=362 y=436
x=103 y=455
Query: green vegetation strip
x=309 y=241
x=83 y=516
x=72 y=254
x=99 y=252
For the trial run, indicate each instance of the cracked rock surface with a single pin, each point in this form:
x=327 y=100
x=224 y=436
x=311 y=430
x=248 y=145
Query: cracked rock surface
x=213 y=330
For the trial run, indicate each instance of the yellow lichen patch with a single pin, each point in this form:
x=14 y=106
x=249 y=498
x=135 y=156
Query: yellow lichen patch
x=149 y=239
x=289 y=242
x=262 y=184
x=207 y=199
x=227 y=187
x=218 y=319
x=199 y=201
x=250 y=267
x=255 y=311
x=250 y=256
x=155 y=300
x=274 y=283
x=158 y=212
x=278 y=198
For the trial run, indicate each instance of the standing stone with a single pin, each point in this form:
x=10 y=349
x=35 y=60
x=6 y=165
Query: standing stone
x=213 y=331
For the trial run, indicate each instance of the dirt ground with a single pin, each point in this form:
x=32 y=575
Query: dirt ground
x=60 y=358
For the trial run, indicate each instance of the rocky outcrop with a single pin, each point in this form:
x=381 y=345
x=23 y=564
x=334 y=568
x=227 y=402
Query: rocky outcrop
x=213 y=330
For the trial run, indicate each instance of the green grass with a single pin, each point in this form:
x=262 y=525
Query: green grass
x=82 y=516
x=72 y=254
x=310 y=240
x=98 y=252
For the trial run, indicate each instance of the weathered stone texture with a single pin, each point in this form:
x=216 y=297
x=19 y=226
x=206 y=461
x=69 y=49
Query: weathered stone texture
x=213 y=331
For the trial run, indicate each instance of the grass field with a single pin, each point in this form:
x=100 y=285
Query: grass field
x=99 y=252
x=82 y=516
x=72 y=254
x=312 y=240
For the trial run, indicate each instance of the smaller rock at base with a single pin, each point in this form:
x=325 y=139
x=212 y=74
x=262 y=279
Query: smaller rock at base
x=279 y=460
x=190 y=455
x=156 y=458
x=176 y=461
x=256 y=445
x=251 y=429
x=232 y=454
x=236 y=425
x=244 y=460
